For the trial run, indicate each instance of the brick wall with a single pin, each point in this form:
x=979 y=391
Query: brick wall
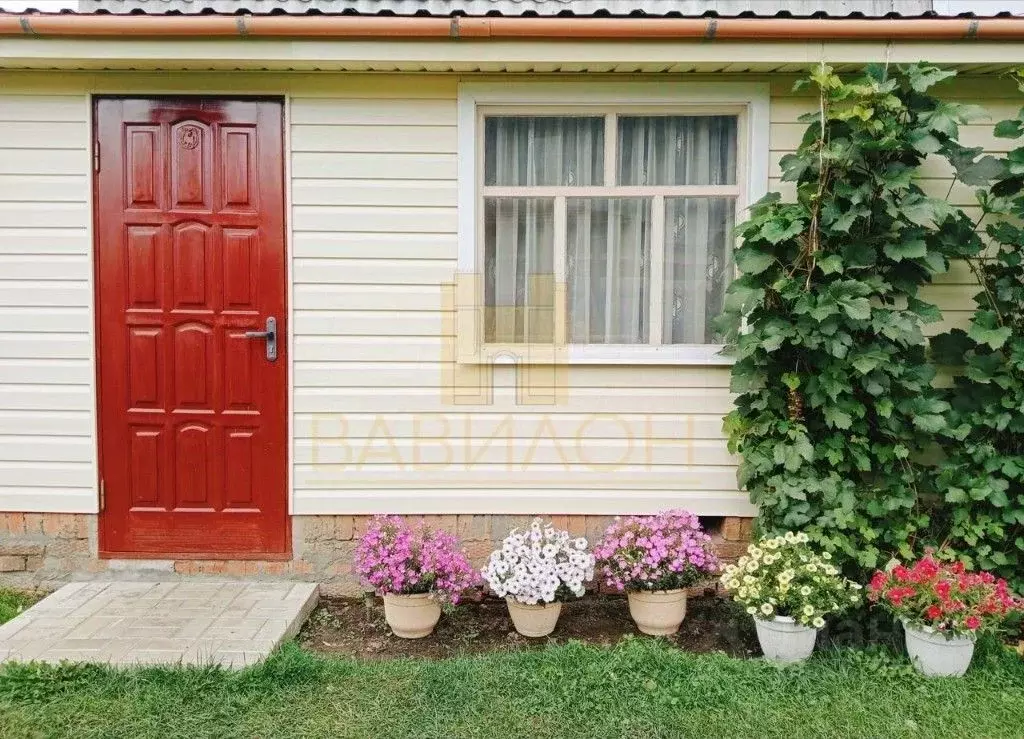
x=49 y=549
x=45 y=549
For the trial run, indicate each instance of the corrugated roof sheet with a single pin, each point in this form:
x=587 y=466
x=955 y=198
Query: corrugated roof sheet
x=869 y=8
x=583 y=8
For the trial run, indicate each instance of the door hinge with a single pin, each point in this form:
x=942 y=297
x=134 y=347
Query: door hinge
x=103 y=495
x=96 y=156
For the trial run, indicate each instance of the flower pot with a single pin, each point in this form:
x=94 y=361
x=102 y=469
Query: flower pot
x=411 y=616
x=784 y=640
x=533 y=619
x=935 y=655
x=657 y=612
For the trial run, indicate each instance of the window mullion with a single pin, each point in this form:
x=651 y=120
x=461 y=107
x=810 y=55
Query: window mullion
x=657 y=321
x=561 y=270
x=611 y=137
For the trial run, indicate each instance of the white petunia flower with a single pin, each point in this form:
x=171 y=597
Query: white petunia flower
x=531 y=566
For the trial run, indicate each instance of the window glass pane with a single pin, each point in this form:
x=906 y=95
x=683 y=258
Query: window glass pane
x=677 y=150
x=543 y=150
x=608 y=272
x=519 y=270
x=698 y=267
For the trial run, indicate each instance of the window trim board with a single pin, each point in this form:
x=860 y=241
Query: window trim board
x=752 y=97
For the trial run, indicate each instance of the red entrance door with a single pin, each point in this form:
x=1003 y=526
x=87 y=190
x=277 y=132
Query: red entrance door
x=190 y=269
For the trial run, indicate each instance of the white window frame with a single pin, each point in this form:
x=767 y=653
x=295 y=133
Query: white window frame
x=750 y=100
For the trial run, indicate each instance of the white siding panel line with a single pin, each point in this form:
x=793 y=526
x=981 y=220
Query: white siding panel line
x=47 y=449
x=55 y=267
x=374 y=139
x=37 y=423
x=43 y=241
x=30 y=134
x=44 y=346
x=44 y=161
x=356 y=271
x=380 y=193
x=49 y=187
x=44 y=215
x=48 y=500
x=42 y=109
x=15 y=319
x=45 y=371
x=362 y=297
x=378 y=112
x=26 y=294
x=385 y=166
x=486 y=423
x=385 y=220
x=14 y=397
x=516 y=500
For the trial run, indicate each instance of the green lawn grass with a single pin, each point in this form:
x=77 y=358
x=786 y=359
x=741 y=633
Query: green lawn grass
x=640 y=688
x=13 y=602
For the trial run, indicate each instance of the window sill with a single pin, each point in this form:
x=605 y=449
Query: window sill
x=601 y=354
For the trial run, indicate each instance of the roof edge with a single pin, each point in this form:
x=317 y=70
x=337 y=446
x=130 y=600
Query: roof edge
x=458 y=27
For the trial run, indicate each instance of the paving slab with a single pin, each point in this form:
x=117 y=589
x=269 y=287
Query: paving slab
x=120 y=623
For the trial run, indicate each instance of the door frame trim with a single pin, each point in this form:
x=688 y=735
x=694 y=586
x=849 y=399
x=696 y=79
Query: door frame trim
x=284 y=99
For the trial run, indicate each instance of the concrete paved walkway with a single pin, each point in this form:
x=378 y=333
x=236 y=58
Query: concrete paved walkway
x=127 y=623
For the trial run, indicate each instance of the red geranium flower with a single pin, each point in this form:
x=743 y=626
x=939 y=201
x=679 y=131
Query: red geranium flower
x=934 y=612
x=972 y=622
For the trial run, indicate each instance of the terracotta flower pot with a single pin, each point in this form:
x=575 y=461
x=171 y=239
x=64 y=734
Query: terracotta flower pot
x=533 y=619
x=411 y=616
x=784 y=640
x=934 y=655
x=657 y=612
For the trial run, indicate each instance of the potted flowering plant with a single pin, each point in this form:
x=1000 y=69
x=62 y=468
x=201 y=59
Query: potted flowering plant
x=416 y=569
x=535 y=571
x=788 y=588
x=654 y=559
x=943 y=607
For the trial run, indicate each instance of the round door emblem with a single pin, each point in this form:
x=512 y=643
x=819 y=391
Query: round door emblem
x=189 y=137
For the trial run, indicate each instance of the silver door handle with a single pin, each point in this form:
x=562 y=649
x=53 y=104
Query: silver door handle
x=270 y=335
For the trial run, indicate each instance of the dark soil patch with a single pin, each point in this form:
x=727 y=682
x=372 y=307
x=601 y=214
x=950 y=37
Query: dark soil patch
x=356 y=628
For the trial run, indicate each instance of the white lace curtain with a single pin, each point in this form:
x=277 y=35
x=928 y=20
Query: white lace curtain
x=608 y=240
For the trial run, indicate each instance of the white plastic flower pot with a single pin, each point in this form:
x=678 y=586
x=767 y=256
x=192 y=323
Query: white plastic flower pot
x=784 y=640
x=935 y=655
x=657 y=612
x=411 y=616
x=534 y=620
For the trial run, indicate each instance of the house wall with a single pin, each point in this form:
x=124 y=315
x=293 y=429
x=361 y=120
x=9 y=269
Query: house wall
x=373 y=209
x=47 y=388
x=374 y=218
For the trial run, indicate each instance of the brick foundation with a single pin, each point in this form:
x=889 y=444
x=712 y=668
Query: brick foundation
x=48 y=549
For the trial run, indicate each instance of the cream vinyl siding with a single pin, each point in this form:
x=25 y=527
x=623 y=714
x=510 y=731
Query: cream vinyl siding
x=47 y=388
x=374 y=212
